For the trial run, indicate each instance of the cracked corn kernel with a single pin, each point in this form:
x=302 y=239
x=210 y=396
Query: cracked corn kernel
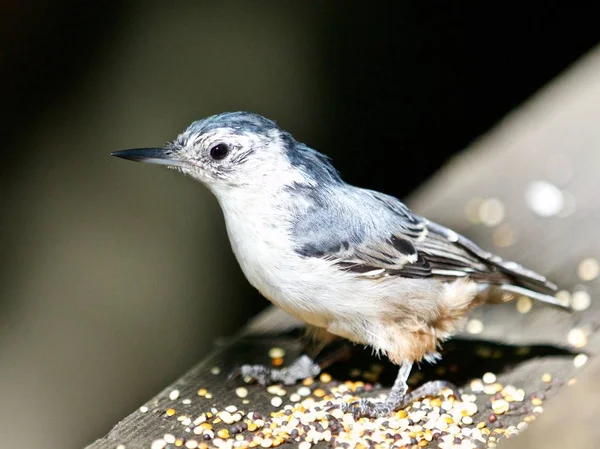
x=276 y=353
x=325 y=378
x=170 y=412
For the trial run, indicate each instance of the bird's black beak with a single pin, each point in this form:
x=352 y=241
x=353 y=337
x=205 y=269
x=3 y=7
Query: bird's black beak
x=160 y=156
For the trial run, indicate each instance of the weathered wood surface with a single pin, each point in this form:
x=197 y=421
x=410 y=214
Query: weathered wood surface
x=554 y=135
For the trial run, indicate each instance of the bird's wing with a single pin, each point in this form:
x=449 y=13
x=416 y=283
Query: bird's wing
x=417 y=248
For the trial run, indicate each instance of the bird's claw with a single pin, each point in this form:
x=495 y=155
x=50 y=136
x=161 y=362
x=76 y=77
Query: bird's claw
x=367 y=408
x=258 y=373
x=301 y=368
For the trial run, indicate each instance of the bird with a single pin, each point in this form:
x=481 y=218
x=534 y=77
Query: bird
x=349 y=262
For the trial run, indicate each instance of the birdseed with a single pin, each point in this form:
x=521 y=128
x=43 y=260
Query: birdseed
x=489 y=378
x=276 y=353
x=241 y=392
x=158 y=444
x=312 y=415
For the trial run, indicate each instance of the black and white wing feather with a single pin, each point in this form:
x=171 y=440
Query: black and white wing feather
x=417 y=248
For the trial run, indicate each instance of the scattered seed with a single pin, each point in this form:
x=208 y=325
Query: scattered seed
x=489 y=378
x=173 y=395
x=325 y=378
x=547 y=378
x=303 y=391
x=158 y=444
x=276 y=353
x=276 y=401
x=241 y=392
x=144 y=409
x=500 y=406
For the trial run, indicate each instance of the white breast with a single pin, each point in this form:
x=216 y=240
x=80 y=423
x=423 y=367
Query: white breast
x=313 y=289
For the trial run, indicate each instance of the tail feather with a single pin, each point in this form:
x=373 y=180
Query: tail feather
x=548 y=299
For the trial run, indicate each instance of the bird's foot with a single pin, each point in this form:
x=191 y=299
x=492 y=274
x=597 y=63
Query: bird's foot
x=367 y=408
x=302 y=368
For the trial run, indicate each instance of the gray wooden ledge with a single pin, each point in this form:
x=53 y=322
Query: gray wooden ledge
x=554 y=138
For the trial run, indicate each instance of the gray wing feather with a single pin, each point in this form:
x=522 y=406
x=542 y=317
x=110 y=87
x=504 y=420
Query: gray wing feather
x=377 y=235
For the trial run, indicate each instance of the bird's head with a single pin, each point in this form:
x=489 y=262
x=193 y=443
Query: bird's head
x=239 y=149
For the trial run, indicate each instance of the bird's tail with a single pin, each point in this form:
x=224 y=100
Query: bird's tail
x=548 y=299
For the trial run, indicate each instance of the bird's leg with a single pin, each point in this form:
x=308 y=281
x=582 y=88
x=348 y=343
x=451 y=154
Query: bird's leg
x=301 y=368
x=431 y=388
x=370 y=409
x=398 y=399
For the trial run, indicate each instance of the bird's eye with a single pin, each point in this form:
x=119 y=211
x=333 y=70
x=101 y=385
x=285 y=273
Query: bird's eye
x=219 y=151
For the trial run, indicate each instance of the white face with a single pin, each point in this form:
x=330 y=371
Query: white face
x=237 y=151
x=227 y=157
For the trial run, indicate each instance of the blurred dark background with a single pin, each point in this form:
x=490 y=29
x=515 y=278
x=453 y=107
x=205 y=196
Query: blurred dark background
x=116 y=277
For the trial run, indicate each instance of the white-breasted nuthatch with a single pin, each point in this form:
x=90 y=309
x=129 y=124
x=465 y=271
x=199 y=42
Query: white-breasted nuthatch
x=351 y=262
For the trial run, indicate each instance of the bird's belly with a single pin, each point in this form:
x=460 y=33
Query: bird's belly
x=289 y=281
